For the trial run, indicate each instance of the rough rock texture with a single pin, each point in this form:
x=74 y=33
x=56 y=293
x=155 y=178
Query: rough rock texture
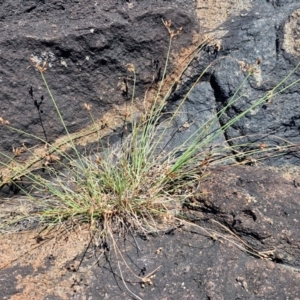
x=87 y=46
x=244 y=241
x=265 y=36
x=260 y=205
x=254 y=255
x=197 y=113
x=87 y=49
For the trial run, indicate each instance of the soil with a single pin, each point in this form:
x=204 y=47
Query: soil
x=239 y=242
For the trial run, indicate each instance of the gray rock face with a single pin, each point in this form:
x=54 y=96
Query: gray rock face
x=244 y=243
x=264 y=37
x=250 y=246
x=196 y=112
x=86 y=47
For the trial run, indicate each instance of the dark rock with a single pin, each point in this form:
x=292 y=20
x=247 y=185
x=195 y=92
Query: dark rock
x=87 y=55
x=257 y=259
x=195 y=119
x=86 y=47
x=241 y=240
x=260 y=206
x=192 y=266
x=9 y=280
x=269 y=45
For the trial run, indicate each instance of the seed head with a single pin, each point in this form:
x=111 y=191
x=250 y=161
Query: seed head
x=258 y=61
x=130 y=68
x=41 y=68
x=3 y=122
x=87 y=106
x=172 y=32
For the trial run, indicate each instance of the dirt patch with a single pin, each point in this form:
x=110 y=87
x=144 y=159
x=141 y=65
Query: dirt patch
x=41 y=263
x=291 y=42
x=181 y=263
x=213 y=13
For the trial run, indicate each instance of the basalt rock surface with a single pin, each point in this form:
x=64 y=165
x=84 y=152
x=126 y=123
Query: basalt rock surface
x=87 y=47
x=262 y=37
x=244 y=244
x=241 y=239
x=87 y=52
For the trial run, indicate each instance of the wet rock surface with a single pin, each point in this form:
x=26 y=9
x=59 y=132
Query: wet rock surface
x=241 y=239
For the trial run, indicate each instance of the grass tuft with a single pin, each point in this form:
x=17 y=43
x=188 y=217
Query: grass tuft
x=133 y=184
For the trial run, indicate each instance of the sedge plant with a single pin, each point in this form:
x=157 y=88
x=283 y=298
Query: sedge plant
x=133 y=184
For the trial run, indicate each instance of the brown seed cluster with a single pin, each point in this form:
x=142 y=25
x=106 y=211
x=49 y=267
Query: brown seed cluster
x=41 y=68
x=172 y=32
x=88 y=107
x=17 y=151
x=3 y=122
x=130 y=68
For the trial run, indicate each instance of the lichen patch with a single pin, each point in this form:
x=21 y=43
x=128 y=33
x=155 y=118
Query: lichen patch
x=213 y=13
x=291 y=42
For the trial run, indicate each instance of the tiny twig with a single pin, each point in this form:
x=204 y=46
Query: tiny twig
x=126 y=284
